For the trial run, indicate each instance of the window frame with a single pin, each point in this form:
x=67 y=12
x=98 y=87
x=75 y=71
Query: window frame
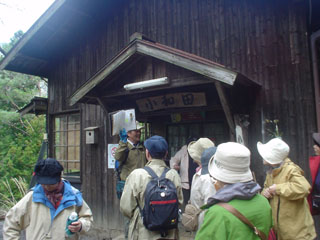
x=63 y=144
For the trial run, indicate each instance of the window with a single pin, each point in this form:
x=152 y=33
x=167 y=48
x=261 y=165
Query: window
x=67 y=143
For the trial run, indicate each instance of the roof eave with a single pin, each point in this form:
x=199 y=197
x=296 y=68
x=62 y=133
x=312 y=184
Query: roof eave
x=30 y=33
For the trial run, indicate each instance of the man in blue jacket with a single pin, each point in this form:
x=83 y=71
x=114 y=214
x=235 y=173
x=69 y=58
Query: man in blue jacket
x=43 y=212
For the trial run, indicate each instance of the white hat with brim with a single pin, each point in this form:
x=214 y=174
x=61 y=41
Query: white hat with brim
x=138 y=127
x=273 y=152
x=231 y=163
x=196 y=148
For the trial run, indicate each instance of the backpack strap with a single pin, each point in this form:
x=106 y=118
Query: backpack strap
x=154 y=175
x=151 y=172
x=242 y=218
x=163 y=175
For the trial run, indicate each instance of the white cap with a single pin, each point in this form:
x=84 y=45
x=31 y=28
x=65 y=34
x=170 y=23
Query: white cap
x=196 y=148
x=274 y=151
x=73 y=216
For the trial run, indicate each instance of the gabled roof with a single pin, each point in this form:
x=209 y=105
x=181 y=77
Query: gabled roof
x=37 y=106
x=164 y=53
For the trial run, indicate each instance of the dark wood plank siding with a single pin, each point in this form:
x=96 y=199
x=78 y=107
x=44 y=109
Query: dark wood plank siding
x=265 y=40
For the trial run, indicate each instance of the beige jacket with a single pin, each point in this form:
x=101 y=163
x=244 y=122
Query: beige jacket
x=202 y=188
x=181 y=159
x=134 y=189
x=35 y=218
x=290 y=211
x=136 y=158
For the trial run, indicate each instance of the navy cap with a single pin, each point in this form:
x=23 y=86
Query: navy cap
x=157 y=146
x=205 y=157
x=48 y=171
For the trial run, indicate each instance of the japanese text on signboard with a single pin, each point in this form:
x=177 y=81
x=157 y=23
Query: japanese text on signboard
x=175 y=100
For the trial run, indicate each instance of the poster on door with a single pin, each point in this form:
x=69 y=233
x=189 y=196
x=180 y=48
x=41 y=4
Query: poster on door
x=111 y=151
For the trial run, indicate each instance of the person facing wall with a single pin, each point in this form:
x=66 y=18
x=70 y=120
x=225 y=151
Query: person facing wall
x=237 y=190
x=133 y=198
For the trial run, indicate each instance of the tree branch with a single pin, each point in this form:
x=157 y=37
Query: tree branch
x=3 y=51
x=11 y=125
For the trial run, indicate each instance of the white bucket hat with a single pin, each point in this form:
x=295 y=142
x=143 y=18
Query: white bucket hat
x=274 y=151
x=196 y=148
x=138 y=127
x=231 y=163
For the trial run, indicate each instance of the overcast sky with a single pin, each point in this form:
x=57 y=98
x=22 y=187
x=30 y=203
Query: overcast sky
x=19 y=15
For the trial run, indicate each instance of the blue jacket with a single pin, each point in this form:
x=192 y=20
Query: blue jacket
x=71 y=197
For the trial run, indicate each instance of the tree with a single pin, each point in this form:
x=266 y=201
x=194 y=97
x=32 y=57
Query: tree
x=21 y=137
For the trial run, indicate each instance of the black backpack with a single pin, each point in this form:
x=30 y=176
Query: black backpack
x=160 y=212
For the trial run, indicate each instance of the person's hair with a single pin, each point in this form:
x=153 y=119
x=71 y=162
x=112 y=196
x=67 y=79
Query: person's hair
x=316 y=143
x=191 y=139
x=158 y=155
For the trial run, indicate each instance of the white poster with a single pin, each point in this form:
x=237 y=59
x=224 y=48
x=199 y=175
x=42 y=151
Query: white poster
x=239 y=135
x=123 y=119
x=111 y=151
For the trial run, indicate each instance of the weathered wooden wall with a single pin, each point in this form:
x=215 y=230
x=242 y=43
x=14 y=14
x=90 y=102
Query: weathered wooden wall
x=265 y=40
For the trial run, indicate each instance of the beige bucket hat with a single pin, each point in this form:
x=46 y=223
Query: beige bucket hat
x=138 y=127
x=231 y=163
x=196 y=148
x=274 y=151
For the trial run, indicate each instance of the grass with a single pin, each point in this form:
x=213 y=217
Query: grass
x=12 y=191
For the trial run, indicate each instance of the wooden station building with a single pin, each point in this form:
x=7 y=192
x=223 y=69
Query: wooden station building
x=226 y=66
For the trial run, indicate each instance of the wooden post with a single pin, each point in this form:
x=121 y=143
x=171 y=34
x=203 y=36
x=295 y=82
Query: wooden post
x=226 y=109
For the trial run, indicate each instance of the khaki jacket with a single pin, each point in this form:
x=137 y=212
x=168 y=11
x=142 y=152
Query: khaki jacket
x=134 y=189
x=36 y=218
x=136 y=158
x=181 y=158
x=291 y=215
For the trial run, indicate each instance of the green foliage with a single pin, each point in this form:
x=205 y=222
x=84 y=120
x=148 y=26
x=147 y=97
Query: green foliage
x=21 y=137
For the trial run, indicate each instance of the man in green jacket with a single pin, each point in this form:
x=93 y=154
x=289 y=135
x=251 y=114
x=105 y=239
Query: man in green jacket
x=235 y=186
x=130 y=153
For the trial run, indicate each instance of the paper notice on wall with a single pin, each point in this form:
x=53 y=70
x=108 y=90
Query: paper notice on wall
x=239 y=135
x=111 y=151
x=123 y=119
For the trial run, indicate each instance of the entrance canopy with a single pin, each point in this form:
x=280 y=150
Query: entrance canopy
x=140 y=48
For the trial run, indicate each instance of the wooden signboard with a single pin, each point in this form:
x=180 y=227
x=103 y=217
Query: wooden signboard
x=176 y=100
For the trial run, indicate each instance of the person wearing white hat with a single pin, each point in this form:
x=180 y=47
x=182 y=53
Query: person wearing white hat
x=287 y=190
x=235 y=186
x=130 y=155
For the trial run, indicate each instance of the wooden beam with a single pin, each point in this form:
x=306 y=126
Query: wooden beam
x=104 y=107
x=226 y=109
x=212 y=71
x=98 y=77
x=31 y=32
x=182 y=82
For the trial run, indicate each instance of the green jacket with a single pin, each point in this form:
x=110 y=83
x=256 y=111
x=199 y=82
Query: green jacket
x=290 y=209
x=220 y=224
x=136 y=158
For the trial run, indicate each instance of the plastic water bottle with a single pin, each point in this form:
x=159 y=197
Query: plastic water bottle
x=72 y=218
